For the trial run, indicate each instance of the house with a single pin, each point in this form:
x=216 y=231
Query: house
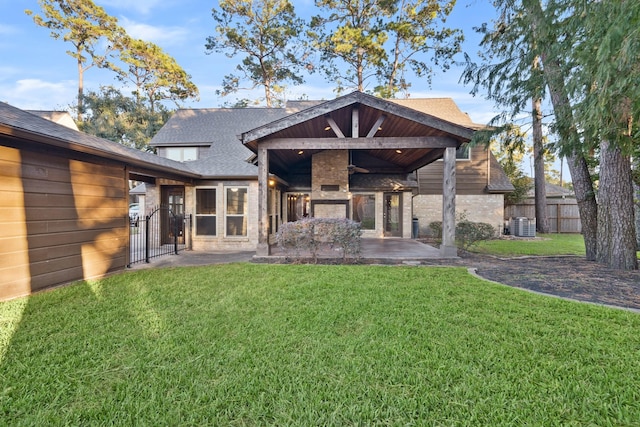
x=375 y=161
x=239 y=173
x=61 y=117
x=64 y=202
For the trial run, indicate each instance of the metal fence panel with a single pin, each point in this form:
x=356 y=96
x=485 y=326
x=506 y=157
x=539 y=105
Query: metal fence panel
x=158 y=234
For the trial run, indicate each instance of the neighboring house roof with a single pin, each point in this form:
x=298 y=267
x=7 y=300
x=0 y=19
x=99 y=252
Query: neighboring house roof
x=139 y=189
x=61 y=117
x=17 y=123
x=553 y=192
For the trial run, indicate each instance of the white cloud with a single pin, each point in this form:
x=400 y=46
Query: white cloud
x=36 y=94
x=142 y=6
x=155 y=34
x=6 y=30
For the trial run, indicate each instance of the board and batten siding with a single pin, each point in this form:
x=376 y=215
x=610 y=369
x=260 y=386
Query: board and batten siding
x=61 y=220
x=471 y=175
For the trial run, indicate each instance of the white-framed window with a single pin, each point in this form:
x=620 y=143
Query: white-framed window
x=206 y=212
x=274 y=207
x=364 y=210
x=463 y=152
x=236 y=203
x=182 y=154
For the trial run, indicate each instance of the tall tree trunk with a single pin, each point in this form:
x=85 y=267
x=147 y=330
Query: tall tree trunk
x=80 y=116
x=636 y=187
x=540 y=189
x=637 y=212
x=567 y=131
x=578 y=168
x=616 y=225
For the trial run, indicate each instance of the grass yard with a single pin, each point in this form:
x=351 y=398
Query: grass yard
x=543 y=245
x=245 y=344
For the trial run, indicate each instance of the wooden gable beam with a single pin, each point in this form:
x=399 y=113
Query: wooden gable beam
x=384 y=143
x=376 y=126
x=334 y=126
x=355 y=123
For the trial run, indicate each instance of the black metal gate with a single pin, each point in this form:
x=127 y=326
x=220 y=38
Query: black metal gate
x=162 y=232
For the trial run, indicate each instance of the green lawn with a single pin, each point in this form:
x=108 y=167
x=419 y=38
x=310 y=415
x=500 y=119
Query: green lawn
x=544 y=244
x=304 y=345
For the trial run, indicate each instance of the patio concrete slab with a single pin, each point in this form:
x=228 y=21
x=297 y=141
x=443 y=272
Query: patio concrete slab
x=374 y=251
x=379 y=251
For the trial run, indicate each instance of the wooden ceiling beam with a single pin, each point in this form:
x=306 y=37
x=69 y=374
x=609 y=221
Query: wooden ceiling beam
x=383 y=143
x=430 y=157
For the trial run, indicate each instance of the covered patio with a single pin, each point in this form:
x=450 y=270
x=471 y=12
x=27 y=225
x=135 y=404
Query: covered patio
x=320 y=148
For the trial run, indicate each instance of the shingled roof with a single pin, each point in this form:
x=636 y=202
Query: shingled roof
x=218 y=128
x=443 y=108
x=498 y=180
x=17 y=123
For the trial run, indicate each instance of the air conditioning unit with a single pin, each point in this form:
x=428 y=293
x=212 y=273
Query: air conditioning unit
x=523 y=227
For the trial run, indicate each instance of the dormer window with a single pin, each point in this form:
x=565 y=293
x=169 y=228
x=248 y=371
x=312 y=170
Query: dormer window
x=182 y=154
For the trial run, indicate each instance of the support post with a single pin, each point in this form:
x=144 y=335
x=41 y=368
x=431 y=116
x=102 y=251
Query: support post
x=263 y=248
x=147 y=239
x=448 y=246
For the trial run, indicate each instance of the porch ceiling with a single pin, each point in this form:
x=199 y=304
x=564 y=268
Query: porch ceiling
x=382 y=137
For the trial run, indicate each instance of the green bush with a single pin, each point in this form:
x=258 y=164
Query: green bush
x=470 y=233
x=436 y=229
x=309 y=235
x=467 y=233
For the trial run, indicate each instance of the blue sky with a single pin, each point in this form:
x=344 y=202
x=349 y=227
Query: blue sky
x=36 y=73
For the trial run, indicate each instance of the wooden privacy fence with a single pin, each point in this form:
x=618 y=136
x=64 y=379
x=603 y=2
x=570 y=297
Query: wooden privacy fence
x=562 y=214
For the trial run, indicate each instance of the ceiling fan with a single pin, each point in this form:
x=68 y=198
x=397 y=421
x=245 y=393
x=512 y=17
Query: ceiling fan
x=353 y=168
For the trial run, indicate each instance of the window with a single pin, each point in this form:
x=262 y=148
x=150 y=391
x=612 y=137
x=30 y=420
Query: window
x=364 y=210
x=206 y=220
x=273 y=209
x=462 y=153
x=182 y=154
x=236 y=211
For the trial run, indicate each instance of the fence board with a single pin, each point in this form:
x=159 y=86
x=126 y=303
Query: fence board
x=562 y=214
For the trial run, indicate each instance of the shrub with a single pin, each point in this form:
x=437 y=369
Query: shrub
x=311 y=234
x=436 y=229
x=470 y=233
x=467 y=233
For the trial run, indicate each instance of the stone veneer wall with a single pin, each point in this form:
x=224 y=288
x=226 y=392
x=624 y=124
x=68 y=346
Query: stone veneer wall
x=330 y=168
x=151 y=199
x=487 y=208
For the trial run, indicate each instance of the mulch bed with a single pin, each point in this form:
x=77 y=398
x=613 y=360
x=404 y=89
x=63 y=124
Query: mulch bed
x=568 y=277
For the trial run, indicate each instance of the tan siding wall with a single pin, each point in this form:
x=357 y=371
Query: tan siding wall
x=60 y=220
x=471 y=175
